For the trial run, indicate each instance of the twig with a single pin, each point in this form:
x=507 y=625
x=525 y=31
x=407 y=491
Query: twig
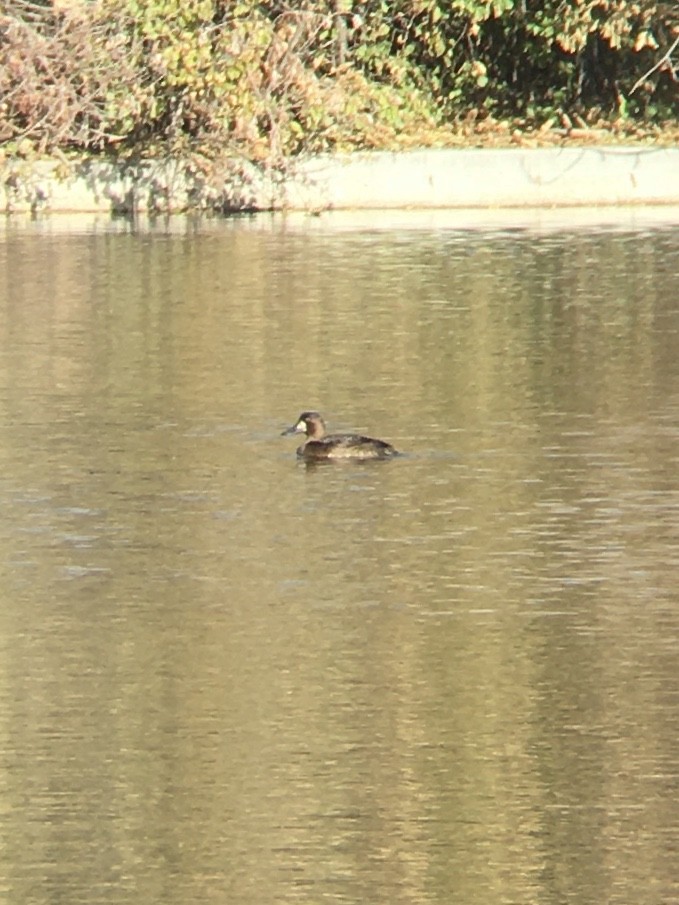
x=665 y=58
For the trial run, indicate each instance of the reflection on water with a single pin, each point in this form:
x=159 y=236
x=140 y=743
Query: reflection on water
x=448 y=677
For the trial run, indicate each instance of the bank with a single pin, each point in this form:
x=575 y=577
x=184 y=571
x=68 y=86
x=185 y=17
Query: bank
x=406 y=180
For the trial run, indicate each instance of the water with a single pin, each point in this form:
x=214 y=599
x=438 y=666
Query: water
x=451 y=677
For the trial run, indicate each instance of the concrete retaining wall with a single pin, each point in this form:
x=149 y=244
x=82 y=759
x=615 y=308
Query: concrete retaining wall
x=424 y=180
x=489 y=178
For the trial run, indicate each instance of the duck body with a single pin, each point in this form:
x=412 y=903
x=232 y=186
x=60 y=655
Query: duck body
x=320 y=446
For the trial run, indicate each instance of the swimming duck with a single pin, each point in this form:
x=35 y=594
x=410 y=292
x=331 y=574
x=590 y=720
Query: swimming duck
x=319 y=445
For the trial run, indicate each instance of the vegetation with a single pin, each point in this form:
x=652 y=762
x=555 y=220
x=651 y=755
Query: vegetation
x=263 y=81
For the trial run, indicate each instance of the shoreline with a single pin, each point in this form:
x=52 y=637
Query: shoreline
x=538 y=221
x=420 y=180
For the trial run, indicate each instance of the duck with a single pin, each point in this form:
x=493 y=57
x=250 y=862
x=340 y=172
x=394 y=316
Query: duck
x=320 y=446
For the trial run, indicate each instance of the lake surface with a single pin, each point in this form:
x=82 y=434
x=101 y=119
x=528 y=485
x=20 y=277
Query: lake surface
x=452 y=677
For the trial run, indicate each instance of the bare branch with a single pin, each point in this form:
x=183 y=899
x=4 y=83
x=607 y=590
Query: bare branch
x=665 y=58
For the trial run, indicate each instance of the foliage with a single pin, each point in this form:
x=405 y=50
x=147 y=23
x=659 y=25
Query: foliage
x=524 y=57
x=267 y=80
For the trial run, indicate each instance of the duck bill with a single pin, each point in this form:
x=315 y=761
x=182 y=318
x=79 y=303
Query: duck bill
x=291 y=430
